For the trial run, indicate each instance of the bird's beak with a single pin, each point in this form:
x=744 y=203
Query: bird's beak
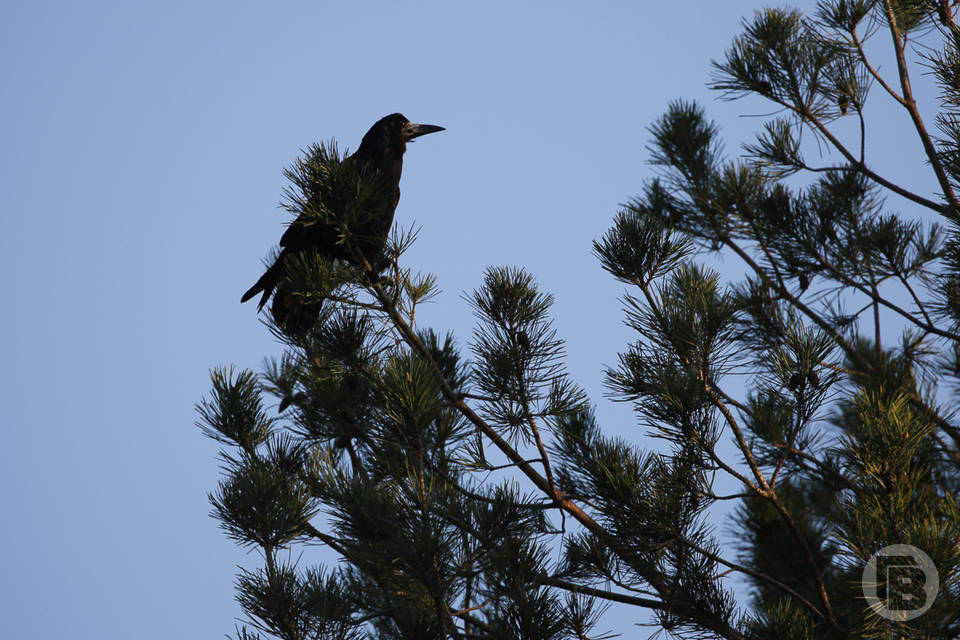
x=416 y=130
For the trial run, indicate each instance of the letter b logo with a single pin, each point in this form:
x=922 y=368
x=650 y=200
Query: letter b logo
x=900 y=582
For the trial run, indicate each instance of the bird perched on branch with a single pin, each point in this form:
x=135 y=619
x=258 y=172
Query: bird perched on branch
x=381 y=151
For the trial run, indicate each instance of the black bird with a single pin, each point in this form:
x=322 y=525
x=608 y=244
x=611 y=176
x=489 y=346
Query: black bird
x=382 y=150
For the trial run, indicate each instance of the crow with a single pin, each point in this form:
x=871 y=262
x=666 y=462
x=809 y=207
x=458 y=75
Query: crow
x=382 y=151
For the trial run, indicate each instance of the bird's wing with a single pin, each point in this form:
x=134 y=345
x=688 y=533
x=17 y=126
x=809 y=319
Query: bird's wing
x=297 y=236
x=320 y=237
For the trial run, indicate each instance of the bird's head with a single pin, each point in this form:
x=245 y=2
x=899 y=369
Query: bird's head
x=393 y=132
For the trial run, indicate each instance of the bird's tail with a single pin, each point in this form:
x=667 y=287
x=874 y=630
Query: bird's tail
x=267 y=283
x=293 y=313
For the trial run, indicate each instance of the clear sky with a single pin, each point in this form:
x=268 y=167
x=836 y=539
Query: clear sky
x=140 y=166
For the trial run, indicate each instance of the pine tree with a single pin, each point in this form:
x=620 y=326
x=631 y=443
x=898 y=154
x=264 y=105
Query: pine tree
x=480 y=498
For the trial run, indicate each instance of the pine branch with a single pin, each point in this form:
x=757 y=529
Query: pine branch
x=910 y=104
x=781 y=290
x=876 y=298
x=861 y=167
x=754 y=574
x=807 y=115
x=818 y=464
x=764 y=486
x=916 y=299
x=539 y=441
x=599 y=593
x=790 y=447
x=656 y=580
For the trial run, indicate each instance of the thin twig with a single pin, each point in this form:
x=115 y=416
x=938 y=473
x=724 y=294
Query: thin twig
x=916 y=299
x=873 y=72
x=741 y=440
x=750 y=572
x=599 y=593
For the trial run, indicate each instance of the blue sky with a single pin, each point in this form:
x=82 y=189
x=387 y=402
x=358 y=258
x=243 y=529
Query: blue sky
x=141 y=170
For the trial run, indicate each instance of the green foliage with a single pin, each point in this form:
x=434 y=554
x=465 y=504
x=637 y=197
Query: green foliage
x=288 y=603
x=261 y=501
x=519 y=366
x=235 y=415
x=637 y=250
x=784 y=58
x=483 y=499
